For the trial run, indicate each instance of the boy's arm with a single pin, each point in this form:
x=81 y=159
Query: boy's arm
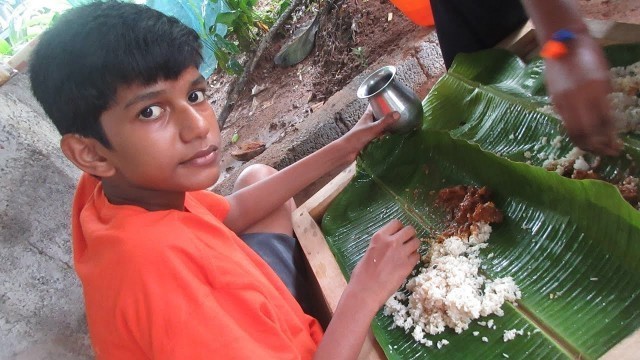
x=254 y=202
x=390 y=257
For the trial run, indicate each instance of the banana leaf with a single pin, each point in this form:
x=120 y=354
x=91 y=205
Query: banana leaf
x=493 y=99
x=572 y=246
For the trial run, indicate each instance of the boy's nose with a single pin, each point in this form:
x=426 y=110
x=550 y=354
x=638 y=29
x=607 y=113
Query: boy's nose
x=193 y=124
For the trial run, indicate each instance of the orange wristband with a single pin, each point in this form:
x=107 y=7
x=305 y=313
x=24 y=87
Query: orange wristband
x=557 y=47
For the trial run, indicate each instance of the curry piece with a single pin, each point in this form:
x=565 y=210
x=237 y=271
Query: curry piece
x=467 y=205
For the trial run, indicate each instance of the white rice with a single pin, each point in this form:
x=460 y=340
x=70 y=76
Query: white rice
x=511 y=334
x=575 y=156
x=449 y=291
x=625 y=98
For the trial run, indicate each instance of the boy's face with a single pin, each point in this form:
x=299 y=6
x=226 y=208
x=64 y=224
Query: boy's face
x=164 y=137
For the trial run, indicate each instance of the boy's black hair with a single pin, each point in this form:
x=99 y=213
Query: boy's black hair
x=80 y=62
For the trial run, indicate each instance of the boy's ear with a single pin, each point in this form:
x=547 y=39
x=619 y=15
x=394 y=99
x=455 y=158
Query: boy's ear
x=86 y=154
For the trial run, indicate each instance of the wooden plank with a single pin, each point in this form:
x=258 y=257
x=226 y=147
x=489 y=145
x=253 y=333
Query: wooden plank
x=627 y=349
x=317 y=204
x=5 y=73
x=523 y=41
x=609 y=32
x=314 y=245
x=20 y=61
x=322 y=262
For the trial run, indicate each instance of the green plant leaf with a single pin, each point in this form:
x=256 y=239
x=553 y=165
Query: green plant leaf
x=202 y=20
x=223 y=57
x=227 y=45
x=282 y=8
x=578 y=239
x=227 y=18
x=235 y=66
x=244 y=5
x=622 y=54
x=5 y=47
x=298 y=48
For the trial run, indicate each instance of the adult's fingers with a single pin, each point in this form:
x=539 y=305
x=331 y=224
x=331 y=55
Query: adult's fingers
x=575 y=122
x=612 y=144
x=588 y=124
x=604 y=139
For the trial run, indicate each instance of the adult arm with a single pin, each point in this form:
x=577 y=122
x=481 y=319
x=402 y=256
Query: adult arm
x=578 y=82
x=254 y=202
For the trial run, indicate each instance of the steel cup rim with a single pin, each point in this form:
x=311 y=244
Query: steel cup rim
x=380 y=72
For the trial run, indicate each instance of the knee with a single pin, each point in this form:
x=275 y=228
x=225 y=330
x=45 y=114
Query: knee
x=252 y=174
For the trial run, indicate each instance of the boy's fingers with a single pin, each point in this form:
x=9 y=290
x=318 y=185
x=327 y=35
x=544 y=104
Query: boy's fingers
x=412 y=245
x=368 y=110
x=391 y=227
x=390 y=118
x=414 y=258
x=367 y=116
x=405 y=233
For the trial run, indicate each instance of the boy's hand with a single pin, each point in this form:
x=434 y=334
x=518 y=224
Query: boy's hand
x=392 y=254
x=365 y=130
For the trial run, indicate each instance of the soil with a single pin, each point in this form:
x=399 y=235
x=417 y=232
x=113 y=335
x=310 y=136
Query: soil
x=355 y=33
x=349 y=39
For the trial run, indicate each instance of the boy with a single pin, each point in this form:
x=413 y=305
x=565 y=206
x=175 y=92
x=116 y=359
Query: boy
x=164 y=274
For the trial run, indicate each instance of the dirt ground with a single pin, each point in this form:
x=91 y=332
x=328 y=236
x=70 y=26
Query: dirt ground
x=356 y=33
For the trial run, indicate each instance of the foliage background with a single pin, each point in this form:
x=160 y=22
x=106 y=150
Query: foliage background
x=227 y=28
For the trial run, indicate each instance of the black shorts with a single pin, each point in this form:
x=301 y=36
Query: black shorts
x=472 y=25
x=284 y=255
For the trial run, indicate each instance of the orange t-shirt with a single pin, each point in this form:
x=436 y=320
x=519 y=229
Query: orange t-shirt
x=180 y=285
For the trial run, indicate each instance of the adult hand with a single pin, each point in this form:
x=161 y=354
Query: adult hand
x=390 y=257
x=579 y=84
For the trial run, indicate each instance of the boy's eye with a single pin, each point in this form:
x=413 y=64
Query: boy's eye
x=150 y=113
x=196 y=96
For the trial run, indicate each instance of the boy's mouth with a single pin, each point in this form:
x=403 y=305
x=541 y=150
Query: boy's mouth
x=202 y=157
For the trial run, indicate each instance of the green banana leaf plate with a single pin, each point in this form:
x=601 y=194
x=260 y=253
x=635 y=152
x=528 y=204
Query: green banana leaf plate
x=572 y=246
